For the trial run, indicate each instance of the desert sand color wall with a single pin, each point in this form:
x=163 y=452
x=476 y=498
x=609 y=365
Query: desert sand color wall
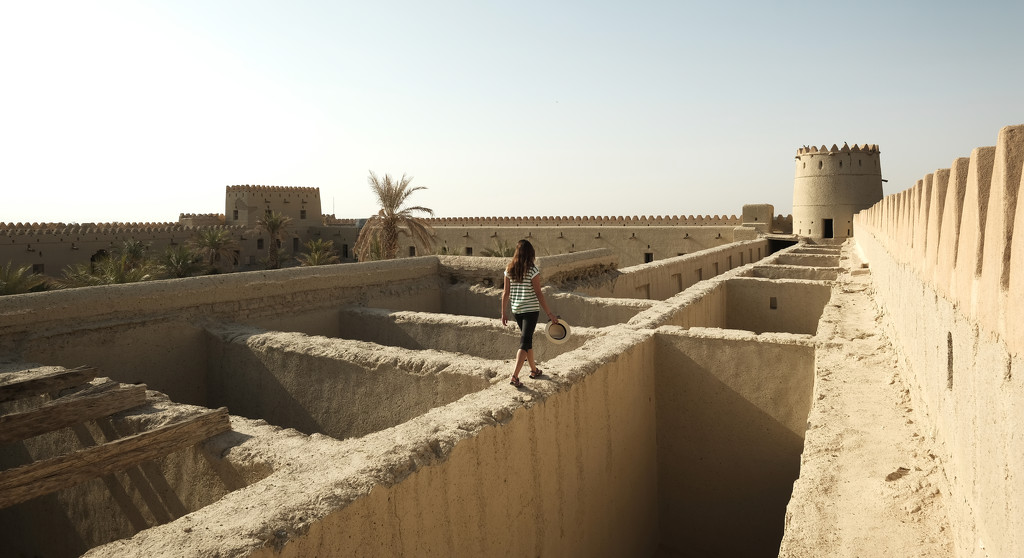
x=948 y=260
x=575 y=474
x=732 y=409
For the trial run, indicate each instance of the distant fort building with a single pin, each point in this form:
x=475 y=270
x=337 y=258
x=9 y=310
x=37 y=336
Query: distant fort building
x=244 y=205
x=50 y=247
x=831 y=186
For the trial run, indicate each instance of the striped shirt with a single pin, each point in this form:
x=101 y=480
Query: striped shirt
x=521 y=293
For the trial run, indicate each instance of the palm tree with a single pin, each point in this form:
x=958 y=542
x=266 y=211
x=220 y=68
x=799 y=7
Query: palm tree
x=181 y=261
x=275 y=226
x=215 y=246
x=79 y=275
x=18 y=280
x=132 y=252
x=319 y=252
x=382 y=228
x=501 y=249
x=128 y=264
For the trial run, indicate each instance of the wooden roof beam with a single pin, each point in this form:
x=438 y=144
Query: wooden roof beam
x=43 y=477
x=91 y=403
x=46 y=383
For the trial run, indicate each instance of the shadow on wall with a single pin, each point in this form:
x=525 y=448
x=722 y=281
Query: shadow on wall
x=479 y=337
x=580 y=310
x=168 y=356
x=322 y=385
x=730 y=435
x=118 y=505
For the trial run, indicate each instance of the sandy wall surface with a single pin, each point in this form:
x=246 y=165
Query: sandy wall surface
x=808 y=259
x=555 y=269
x=965 y=382
x=582 y=310
x=71 y=521
x=632 y=242
x=318 y=384
x=570 y=463
x=168 y=355
x=234 y=296
x=573 y=475
x=662 y=279
x=147 y=332
x=948 y=261
x=480 y=337
x=732 y=409
x=572 y=459
x=795 y=272
x=783 y=305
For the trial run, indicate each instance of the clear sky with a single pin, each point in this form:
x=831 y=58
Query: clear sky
x=138 y=111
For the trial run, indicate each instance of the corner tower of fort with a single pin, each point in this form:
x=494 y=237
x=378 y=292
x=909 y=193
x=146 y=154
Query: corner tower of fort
x=832 y=185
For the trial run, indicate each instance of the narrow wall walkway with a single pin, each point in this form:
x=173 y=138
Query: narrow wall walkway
x=870 y=484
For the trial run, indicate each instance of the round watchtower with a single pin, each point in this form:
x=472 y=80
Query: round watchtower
x=831 y=186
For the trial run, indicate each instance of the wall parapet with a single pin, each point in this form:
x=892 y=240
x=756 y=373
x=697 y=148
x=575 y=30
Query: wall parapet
x=955 y=229
x=262 y=189
x=948 y=266
x=566 y=221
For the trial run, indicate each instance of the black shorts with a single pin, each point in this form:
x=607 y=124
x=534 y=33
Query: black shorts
x=527 y=324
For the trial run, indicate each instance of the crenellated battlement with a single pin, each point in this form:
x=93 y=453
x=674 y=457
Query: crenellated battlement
x=589 y=221
x=867 y=148
x=201 y=216
x=61 y=229
x=947 y=264
x=254 y=189
x=330 y=219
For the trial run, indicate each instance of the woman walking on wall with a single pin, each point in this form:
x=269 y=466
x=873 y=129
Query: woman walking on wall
x=523 y=295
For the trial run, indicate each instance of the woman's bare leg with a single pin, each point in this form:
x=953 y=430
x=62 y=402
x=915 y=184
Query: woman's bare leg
x=521 y=356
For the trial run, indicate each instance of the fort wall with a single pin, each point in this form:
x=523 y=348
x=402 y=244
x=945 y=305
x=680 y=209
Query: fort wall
x=635 y=243
x=948 y=261
x=50 y=247
x=662 y=279
x=580 y=451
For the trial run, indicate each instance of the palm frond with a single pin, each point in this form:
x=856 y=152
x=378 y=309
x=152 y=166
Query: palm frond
x=380 y=233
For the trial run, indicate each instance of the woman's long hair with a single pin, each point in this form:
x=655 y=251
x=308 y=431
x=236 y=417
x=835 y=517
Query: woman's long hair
x=522 y=261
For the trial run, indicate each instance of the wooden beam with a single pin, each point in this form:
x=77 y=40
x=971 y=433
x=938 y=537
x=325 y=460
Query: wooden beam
x=98 y=401
x=36 y=479
x=46 y=383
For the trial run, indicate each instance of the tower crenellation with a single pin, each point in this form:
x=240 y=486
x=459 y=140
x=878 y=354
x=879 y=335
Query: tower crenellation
x=831 y=185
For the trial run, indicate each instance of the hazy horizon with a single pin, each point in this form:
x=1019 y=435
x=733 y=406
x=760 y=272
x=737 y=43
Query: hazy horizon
x=139 y=111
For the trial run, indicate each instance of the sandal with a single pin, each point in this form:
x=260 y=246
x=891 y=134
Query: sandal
x=515 y=381
x=536 y=373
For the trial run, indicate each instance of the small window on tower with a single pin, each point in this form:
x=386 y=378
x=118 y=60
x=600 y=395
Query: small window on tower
x=819 y=164
x=302 y=214
x=234 y=215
